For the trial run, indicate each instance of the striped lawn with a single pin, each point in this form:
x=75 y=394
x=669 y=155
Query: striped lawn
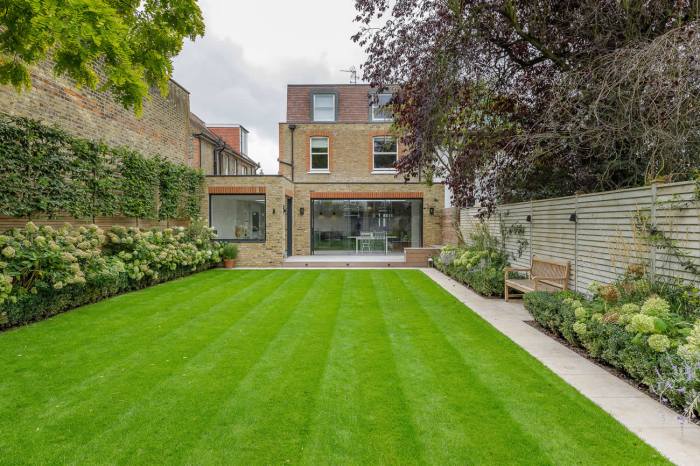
x=285 y=366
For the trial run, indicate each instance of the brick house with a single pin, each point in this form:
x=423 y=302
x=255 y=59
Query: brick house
x=337 y=192
x=221 y=149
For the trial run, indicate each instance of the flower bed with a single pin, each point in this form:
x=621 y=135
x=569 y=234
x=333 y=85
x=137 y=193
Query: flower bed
x=45 y=270
x=479 y=269
x=651 y=332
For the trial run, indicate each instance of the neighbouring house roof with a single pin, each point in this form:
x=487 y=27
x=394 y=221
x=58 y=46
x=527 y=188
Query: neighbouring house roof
x=201 y=130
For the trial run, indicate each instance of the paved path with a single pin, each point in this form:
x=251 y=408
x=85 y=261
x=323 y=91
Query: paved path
x=657 y=425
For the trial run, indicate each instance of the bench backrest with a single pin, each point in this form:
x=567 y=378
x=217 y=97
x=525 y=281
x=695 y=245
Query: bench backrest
x=551 y=268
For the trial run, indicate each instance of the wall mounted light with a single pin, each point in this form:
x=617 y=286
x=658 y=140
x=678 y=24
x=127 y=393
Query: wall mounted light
x=273 y=211
x=301 y=211
x=572 y=218
x=432 y=211
x=528 y=218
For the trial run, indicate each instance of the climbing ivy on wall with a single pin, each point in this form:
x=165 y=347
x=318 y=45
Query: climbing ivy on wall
x=45 y=171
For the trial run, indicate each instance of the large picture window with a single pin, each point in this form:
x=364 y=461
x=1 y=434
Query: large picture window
x=324 y=107
x=385 y=153
x=376 y=226
x=319 y=154
x=238 y=217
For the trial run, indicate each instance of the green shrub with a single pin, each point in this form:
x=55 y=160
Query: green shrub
x=629 y=328
x=46 y=171
x=229 y=251
x=45 y=270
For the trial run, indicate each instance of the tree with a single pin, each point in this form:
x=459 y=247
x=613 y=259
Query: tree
x=121 y=46
x=476 y=78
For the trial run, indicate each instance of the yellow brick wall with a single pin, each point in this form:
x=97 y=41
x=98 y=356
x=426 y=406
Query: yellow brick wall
x=271 y=252
x=350 y=152
x=433 y=196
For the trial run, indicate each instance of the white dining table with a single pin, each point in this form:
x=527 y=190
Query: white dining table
x=372 y=238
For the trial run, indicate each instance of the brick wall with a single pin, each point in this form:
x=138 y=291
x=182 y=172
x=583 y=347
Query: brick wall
x=450 y=225
x=271 y=252
x=163 y=129
x=351 y=152
x=352 y=102
x=433 y=196
x=230 y=135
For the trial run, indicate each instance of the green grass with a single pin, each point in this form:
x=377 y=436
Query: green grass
x=284 y=366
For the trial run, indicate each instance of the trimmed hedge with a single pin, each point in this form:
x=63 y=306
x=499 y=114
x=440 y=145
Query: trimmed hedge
x=46 y=171
x=44 y=270
x=653 y=339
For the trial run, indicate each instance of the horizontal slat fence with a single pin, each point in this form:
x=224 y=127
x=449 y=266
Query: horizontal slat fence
x=596 y=233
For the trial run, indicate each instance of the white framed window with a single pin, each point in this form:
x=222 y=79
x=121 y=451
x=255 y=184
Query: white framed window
x=380 y=109
x=244 y=141
x=324 y=107
x=384 y=153
x=320 y=152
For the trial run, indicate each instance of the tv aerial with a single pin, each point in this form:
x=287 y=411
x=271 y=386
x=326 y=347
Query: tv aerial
x=353 y=74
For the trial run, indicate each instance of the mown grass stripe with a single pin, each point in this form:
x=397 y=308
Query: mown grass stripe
x=361 y=401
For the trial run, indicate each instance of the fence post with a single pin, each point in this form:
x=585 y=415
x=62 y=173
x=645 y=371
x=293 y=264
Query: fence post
x=532 y=222
x=652 y=248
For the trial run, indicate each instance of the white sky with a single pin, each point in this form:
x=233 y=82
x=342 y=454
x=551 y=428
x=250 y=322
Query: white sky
x=239 y=71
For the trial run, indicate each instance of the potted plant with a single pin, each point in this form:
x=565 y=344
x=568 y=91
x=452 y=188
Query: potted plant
x=229 y=254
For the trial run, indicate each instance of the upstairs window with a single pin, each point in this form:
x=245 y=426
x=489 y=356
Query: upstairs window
x=380 y=109
x=384 y=153
x=319 y=154
x=324 y=107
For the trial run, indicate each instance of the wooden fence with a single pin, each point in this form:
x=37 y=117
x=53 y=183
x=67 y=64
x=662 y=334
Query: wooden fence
x=599 y=233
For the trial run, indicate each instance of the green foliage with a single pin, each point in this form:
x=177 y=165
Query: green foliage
x=229 y=251
x=45 y=171
x=640 y=334
x=139 y=183
x=45 y=270
x=124 y=47
x=480 y=269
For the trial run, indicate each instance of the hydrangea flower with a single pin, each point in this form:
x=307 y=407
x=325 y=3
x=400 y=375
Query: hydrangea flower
x=581 y=313
x=657 y=307
x=630 y=308
x=641 y=323
x=690 y=351
x=580 y=328
x=9 y=252
x=659 y=343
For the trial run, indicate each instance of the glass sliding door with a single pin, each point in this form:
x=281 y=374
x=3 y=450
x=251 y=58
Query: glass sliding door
x=348 y=226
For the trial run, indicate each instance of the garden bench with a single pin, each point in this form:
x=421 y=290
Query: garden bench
x=543 y=275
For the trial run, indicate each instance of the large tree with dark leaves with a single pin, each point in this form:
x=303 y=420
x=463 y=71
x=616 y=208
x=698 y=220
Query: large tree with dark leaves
x=477 y=78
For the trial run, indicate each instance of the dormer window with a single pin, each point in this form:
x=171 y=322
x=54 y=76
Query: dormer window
x=324 y=107
x=380 y=108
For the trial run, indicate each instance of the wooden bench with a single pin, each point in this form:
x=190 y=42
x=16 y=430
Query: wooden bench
x=543 y=275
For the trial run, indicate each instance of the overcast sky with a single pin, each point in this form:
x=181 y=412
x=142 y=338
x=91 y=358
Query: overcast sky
x=239 y=71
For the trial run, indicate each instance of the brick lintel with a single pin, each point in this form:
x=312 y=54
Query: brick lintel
x=366 y=195
x=236 y=189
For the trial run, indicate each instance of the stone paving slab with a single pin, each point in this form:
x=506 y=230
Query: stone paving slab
x=654 y=423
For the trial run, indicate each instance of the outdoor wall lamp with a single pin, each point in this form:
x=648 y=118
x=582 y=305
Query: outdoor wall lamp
x=301 y=211
x=528 y=218
x=432 y=211
x=572 y=218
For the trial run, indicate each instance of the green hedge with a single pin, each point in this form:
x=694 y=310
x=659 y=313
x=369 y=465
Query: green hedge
x=45 y=270
x=651 y=332
x=46 y=171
